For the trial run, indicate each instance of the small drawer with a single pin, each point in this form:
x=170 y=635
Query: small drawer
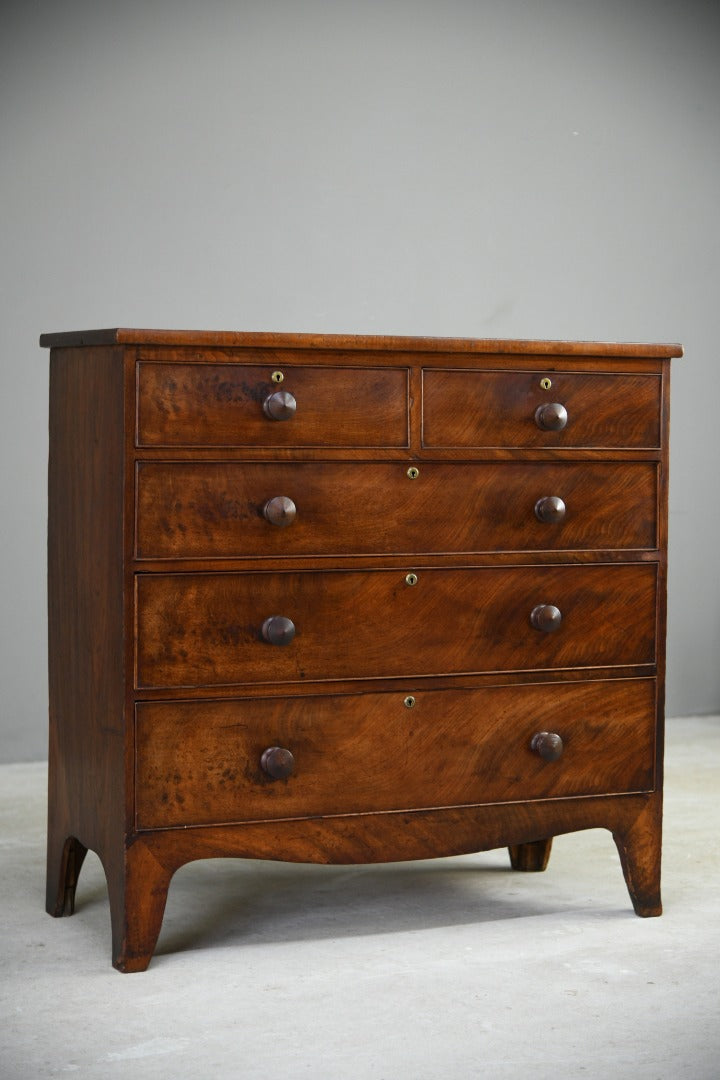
x=234 y=628
x=241 y=405
x=205 y=763
x=225 y=509
x=515 y=409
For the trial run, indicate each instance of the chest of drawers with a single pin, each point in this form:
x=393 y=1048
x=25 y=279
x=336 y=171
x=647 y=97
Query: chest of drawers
x=348 y=600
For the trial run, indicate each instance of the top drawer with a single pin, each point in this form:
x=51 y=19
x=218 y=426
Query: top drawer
x=503 y=409
x=199 y=404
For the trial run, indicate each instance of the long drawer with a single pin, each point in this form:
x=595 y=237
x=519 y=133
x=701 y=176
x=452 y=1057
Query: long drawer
x=218 y=628
x=500 y=409
x=201 y=763
x=223 y=509
x=201 y=404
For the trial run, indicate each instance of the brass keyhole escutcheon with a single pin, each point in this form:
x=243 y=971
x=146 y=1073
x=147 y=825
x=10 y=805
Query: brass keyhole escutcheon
x=411 y=579
x=546 y=383
x=413 y=472
x=277 y=377
x=409 y=702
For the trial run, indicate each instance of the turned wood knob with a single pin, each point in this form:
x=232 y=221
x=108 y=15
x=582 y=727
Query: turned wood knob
x=548 y=745
x=278 y=630
x=280 y=405
x=277 y=762
x=551 y=417
x=280 y=511
x=546 y=617
x=550 y=509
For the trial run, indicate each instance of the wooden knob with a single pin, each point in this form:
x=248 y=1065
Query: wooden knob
x=278 y=630
x=550 y=509
x=277 y=762
x=280 y=511
x=548 y=745
x=546 y=617
x=551 y=417
x=280 y=406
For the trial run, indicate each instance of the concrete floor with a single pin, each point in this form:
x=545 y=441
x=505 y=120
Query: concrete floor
x=442 y=970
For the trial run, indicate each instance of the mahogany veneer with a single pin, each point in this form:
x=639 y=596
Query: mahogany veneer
x=350 y=599
x=214 y=509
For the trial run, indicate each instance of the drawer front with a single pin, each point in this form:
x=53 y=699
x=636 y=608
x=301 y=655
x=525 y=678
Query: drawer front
x=217 y=509
x=499 y=409
x=200 y=763
x=207 y=629
x=224 y=405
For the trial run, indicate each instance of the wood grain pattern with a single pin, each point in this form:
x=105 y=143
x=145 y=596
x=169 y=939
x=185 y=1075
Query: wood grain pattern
x=352 y=342
x=639 y=841
x=531 y=857
x=215 y=509
x=204 y=629
x=199 y=764
x=352 y=839
x=222 y=405
x=486 y=409
x=164 y=695
x=278 y=356
x=153 y=857
x=86 y=797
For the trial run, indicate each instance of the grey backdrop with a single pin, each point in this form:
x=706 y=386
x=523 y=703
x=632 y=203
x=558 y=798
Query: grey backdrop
x=547 y=168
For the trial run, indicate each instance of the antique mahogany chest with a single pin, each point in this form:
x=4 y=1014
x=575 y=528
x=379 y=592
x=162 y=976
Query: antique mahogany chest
x=350 y=599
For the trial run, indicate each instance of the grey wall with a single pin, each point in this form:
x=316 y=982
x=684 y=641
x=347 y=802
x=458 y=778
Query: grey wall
x=547 y=168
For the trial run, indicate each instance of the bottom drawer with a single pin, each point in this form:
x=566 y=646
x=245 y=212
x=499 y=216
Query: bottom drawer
x=199 y=763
